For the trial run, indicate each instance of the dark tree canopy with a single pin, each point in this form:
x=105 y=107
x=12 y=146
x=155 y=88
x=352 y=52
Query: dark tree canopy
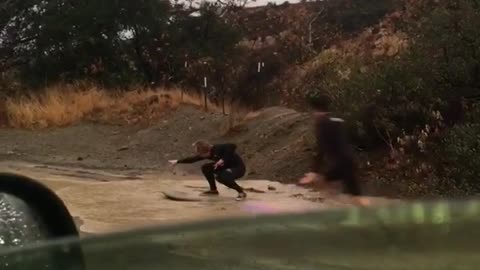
x=110 y=41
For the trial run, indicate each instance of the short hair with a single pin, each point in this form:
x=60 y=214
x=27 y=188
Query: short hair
x=320 y=103
x=202 y=147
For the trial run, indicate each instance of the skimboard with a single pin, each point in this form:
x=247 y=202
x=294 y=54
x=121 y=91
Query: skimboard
x=183 y=196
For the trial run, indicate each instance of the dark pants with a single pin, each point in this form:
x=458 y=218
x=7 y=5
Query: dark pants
x=226 y=176
x=344 y=170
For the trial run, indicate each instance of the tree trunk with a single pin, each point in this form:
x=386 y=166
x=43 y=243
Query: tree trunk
x=231 y=116
x=223 y=96
x=223 y=103
x=144 y=65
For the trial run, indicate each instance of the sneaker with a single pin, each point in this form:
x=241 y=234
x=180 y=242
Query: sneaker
x=241 y=196
x=210 y=193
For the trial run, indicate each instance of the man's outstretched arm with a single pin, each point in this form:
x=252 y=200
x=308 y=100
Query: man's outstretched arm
x=189 y=160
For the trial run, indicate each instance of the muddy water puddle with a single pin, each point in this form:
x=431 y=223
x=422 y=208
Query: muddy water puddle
x=104 y=202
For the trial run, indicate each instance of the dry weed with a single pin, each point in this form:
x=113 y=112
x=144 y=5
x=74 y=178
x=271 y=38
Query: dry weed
x=64 y=105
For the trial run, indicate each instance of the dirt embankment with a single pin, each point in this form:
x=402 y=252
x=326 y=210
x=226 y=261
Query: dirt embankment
x=274 y=141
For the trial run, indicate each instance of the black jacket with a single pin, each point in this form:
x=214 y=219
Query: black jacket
x=332 y=144
x=226 y=152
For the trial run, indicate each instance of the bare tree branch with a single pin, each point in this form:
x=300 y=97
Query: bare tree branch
x=229 y=5
x=310 y=31
x=235 y=3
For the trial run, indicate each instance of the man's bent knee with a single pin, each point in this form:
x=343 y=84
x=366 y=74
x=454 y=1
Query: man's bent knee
x=207 y=168
x=225 y=176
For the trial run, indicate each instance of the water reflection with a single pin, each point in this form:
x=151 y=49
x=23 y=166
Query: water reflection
x=19 y=226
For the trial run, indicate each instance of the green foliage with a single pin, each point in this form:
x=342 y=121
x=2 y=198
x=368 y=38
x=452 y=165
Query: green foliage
x=387 y=101
x=354 y=15
x=122 y=43
x=411 y=102
x=460 y=155
x=449 y=39
x=112 y=42
x=393 y=97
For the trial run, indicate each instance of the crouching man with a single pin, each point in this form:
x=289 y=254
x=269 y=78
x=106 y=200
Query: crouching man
x=226 y=168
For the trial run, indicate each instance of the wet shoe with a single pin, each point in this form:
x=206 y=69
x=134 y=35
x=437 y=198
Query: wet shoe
x=241 y=196
x=210 y=193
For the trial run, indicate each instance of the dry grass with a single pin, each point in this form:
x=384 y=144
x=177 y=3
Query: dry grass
x=64 y=105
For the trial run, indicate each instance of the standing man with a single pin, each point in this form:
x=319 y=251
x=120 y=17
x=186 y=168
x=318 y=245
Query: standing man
x=227 y=166
x=333 y=150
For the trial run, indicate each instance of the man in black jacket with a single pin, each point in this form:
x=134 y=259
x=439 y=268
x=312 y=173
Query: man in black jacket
x=333 y=151
x=227 y=167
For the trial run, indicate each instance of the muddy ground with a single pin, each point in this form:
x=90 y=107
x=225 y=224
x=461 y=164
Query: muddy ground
x=112 y=177
x=103 y=202
x=275 y=143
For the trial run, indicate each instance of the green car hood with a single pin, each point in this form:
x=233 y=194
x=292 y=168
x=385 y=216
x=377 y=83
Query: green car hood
x=423 y=236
